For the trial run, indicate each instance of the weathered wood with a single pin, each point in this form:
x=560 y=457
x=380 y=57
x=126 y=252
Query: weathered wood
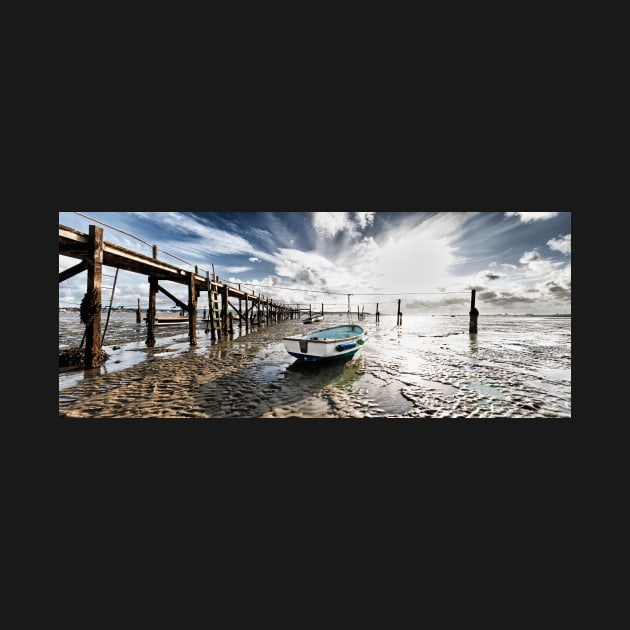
x=73 y=271
x=474 y=314
x=94 y=289
x=192 y=311
x=378 y=315
x=399 y=315
x=75 y=244
x=153 y=290
x=182 y=305
x=224 y=311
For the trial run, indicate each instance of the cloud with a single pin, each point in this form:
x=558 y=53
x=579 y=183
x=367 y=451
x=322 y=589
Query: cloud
x=237 y=269
x=203 y=239
x=530 y=217
x=529 y=257
x=330 y=224
x=364 y=219
x=562 y=244
x=254 y=259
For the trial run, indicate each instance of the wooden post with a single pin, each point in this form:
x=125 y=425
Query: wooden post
x=138 y=314
x=231 y=324
x=474 y=314
x=192 y=310
x=310 y=314
x=246 y=314
x=258 y=314
x=153 y=289
x=94 y=293
x=322 y=308
x=399 y=315
x=226 y=293
x=240 y=309
x=378 y=315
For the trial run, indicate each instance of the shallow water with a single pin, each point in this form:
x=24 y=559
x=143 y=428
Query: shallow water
x=430 y=367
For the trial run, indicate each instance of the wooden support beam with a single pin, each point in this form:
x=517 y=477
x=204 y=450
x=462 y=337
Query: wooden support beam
x=94 y=295
x=73 y=271
x=224 y=312
x=175 y=299
x=153 y=290
x=192 y=311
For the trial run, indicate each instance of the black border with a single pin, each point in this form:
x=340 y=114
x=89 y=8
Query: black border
x=481 y=172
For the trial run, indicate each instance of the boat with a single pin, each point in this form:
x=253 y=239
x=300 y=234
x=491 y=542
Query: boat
x=327 y=343
x=313 y=318
x=167 y=321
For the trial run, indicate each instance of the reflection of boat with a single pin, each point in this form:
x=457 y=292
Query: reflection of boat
x=313 y=319
x=326 y=343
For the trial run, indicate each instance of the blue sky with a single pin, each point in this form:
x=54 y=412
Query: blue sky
x=519 y=262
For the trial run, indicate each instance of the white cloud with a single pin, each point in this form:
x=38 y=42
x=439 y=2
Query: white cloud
x=562 y=244
x=331 y=223
x=254 y=259
x=530 y=217
x=237 y=269
x=364 y=219
x=203 y=237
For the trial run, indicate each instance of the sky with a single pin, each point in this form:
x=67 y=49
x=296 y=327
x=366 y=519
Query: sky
x=518 y=262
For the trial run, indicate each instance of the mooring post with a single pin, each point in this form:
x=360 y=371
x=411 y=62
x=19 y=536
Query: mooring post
x=138 y=314
x=93 y=296
x=474 y=314
x=399 y=315
x=378 y=315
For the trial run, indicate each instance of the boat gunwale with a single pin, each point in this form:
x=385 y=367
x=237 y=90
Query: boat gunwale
x=312 y=335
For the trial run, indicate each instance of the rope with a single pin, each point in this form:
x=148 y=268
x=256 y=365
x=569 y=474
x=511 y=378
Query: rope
x=111 y=227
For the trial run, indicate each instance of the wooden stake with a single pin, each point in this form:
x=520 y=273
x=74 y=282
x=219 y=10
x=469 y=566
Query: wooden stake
x=474 y=314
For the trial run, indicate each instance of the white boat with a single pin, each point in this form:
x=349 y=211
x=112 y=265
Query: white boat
x=326 y=343
x=313 y=318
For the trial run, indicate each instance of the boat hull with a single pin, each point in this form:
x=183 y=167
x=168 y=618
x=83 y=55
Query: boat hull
x=314 y=319
x=326 y=344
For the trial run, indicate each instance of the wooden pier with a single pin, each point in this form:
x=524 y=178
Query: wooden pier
x=93 y=252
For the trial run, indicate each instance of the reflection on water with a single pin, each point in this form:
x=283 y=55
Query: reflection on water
x=428 y=367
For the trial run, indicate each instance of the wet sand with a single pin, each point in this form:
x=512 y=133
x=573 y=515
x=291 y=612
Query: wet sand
x=248 y=377
x=395 y=375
